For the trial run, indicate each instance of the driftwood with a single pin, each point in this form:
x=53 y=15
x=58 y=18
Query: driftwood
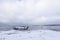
x=21 y=28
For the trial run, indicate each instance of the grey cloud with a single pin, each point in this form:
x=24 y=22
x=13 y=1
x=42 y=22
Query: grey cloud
x=30 y=11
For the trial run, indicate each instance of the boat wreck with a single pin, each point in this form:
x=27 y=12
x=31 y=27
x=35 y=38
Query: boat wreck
x=21 y=28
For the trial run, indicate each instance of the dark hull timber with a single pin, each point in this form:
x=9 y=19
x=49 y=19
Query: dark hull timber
x=21 y=28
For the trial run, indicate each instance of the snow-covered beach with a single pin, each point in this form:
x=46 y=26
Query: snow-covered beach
x=30 y=35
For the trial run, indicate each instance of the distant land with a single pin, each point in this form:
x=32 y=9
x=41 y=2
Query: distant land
x=48 y=25
x=52 y=25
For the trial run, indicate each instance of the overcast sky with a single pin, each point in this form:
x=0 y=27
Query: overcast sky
x=30 y=11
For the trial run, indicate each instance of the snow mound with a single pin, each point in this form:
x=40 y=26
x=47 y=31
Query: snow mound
x=30 y=35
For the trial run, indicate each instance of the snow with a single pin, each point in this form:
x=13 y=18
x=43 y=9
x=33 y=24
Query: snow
x=30 y=35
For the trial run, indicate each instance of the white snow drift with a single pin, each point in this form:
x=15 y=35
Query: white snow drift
x=29 y=35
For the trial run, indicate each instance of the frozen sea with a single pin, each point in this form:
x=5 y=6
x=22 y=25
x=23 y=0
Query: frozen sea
x=54 y=28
